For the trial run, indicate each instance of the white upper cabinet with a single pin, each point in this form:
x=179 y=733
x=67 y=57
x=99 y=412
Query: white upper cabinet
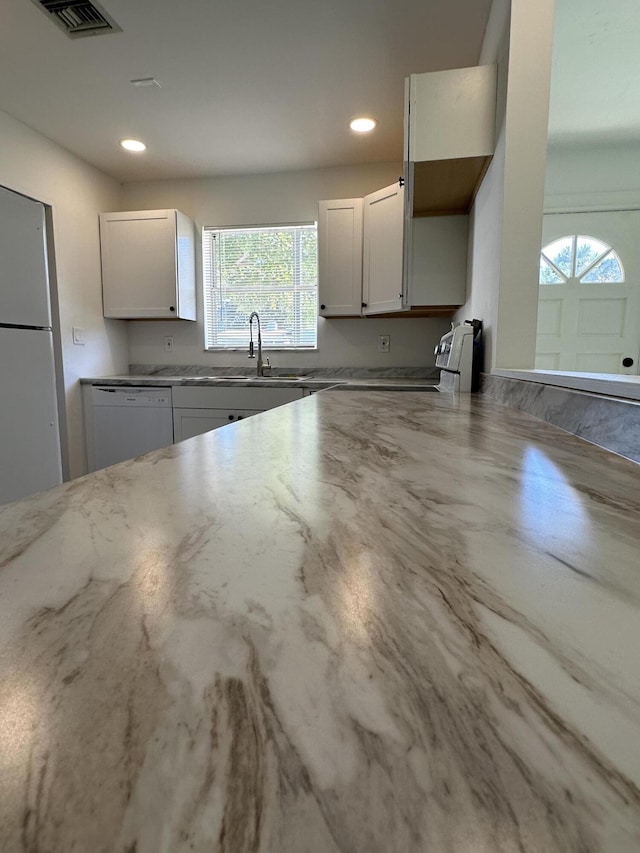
x=360 y=254
x=437 y=262
x=340 y=257
x=391 y=264
x=383 y=250
x=412 y=240
x=451 y=113
x=148 y=265
x=449 y=137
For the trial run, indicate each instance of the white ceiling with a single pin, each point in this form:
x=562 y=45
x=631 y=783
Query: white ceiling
x=595 y=89
x=247 y=86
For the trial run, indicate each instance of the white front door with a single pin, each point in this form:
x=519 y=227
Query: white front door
x=589 y=307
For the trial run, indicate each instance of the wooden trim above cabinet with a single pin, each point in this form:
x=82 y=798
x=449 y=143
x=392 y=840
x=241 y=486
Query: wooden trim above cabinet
x=447 y=187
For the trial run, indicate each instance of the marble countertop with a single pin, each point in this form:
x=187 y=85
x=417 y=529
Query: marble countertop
x=316 y=381
x=377 y=622
x=622 y=385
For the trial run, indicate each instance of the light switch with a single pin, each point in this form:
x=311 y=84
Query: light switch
x=79 y=338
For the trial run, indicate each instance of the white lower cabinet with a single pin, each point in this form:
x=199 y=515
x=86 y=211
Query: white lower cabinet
x=199 y=409
x=190 y=422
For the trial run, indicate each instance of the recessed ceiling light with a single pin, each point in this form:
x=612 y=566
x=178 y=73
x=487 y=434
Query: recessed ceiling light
x=132 y=144
x=363 y=125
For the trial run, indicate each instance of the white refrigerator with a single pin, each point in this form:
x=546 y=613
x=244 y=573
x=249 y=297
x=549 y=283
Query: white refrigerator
x=29 y=431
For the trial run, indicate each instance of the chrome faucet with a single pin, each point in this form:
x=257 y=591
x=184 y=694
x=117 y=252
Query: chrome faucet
x=260 y=366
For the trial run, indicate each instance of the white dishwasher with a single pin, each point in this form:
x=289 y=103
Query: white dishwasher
x=129 y=421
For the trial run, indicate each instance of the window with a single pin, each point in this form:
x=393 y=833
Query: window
x=584 y=259
x=273 y=271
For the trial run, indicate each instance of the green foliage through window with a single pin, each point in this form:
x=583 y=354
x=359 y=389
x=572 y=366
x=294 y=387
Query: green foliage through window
x=271 y=270
x=583 y=259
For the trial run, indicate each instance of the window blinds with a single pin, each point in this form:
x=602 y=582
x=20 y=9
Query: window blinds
x=273 y=271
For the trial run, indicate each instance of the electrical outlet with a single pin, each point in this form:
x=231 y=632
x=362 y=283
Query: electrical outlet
x=169 y=345
x=384 y=343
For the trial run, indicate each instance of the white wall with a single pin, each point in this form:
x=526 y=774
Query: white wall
x=485 y=221
x=592 y=175
x=527 y=111
x=507 y=215
x=35 y=166
x=272 y=199
x=485 y=252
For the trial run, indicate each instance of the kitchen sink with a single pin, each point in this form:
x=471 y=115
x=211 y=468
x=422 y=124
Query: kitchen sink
x=277 y=377
x=218 y=378
x=284 y=376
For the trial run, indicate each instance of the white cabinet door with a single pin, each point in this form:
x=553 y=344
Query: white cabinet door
x=382 y=275
x=188 y=423
x=148 y=268
x=233 y=397
x=340 y=257
x=198 y=409
x=451 y=114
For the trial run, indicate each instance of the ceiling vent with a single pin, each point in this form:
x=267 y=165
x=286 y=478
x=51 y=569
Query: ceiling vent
x=79 y=18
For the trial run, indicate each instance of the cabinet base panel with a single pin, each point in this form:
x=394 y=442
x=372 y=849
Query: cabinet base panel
x=416 y=311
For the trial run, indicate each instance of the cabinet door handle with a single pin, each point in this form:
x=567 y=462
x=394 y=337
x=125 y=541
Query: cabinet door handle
x=401 y=181
x=322 y=307
x=364 y=304
x=627 y=361
x=172 y=307
x=240 y=417
x=230 y=417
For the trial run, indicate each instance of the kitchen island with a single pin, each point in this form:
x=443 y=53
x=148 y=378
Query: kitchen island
x=374 y=621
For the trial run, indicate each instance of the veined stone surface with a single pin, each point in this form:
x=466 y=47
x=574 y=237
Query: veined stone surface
x=371 y=621
x=609 y=422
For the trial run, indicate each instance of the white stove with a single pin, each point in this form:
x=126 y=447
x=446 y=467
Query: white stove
x=455 y=356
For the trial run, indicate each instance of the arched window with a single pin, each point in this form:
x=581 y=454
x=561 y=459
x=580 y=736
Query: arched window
x=586 y=260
